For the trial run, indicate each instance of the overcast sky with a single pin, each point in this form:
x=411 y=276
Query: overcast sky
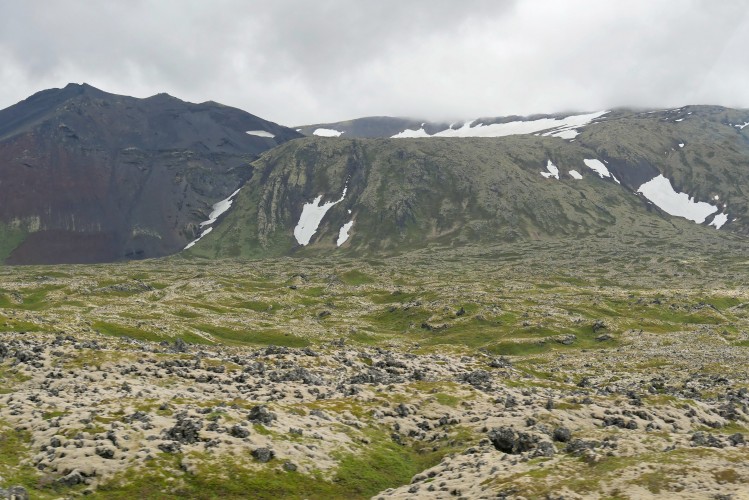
x=300 y=62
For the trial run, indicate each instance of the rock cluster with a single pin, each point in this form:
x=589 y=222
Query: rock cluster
x=95 y=407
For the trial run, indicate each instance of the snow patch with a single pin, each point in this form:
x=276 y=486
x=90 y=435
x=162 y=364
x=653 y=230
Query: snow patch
x=598 y=167
x=411 y=134
x=659 y=191
x=741 y=127
x=681 y=144
x=327 y=132
x=719 y=220
x=564 y=134
x=190 y=245
x=343 y=233
x=566 y=128
x=553 y=171
x=312 y=214
x=679 y=120
x=575 y=174
x=261 y=133
x=219 y=208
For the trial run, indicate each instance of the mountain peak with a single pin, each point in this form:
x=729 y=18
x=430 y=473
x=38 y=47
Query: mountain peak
x=160 y=165
x=74 y=89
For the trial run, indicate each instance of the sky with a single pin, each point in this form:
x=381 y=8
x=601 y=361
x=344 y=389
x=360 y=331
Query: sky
x=302 y=62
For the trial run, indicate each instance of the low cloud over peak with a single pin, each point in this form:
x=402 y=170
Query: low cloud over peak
x=301 y=62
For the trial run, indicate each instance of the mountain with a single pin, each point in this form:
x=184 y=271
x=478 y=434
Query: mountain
x=629 y=177
x=88 y=176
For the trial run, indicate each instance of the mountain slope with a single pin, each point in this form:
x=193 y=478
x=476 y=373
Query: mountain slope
x=88 y=176
x=411 y=193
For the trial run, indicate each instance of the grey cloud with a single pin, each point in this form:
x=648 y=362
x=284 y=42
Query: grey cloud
x=299 y=62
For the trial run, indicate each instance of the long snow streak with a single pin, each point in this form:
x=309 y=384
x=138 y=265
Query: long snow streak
x=218 y=208
x=565 y=128
x=261 y=133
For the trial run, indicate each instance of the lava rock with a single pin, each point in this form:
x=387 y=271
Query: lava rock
x=14 y=493
x=566 y=339
x=170 y=447
x=263 y=455
x=508 y=440
x=238 y=431
x=105 y=452
x=261 y=414
x=580 y=446
x=562 y=434
x=701 y=438
x=186 y=430
x=72 y=479
x=500 y=362
x=544 y=449
x=599 y=325
x=736 y=439
x=477 y=378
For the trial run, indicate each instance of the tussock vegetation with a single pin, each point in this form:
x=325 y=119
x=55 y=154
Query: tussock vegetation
x=379 y=377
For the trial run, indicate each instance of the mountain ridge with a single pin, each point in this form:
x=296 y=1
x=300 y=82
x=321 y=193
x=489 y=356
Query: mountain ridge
x=89 y=176
x=414 y=192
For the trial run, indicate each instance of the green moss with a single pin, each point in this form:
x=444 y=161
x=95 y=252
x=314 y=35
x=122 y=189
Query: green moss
x=30 y=299
x=380 y=465
x=10 y=239
x=184 y=313
x=257 y=306
x=355 y=277
x=49 y=415
x=384 y=464
x=15 y=325
x=518 y=348
x=116 y=330
x=10 y=378
x=365 y=338
x=14 y=448
x=262 y=430
x=447 y=399
x=266 y=337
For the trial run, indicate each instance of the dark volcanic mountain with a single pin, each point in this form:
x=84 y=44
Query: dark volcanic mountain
x=658 y=178
x=88 y=176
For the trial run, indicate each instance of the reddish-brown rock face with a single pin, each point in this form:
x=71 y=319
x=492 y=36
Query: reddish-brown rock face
x=87 y=176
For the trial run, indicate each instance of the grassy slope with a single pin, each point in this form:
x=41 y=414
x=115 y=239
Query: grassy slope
x=9 y=239
x=437 y=192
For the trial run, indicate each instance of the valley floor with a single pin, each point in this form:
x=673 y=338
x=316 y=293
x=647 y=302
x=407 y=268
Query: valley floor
x=531 y=372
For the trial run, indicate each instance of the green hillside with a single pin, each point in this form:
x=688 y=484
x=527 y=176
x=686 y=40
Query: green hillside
x=445 y=192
